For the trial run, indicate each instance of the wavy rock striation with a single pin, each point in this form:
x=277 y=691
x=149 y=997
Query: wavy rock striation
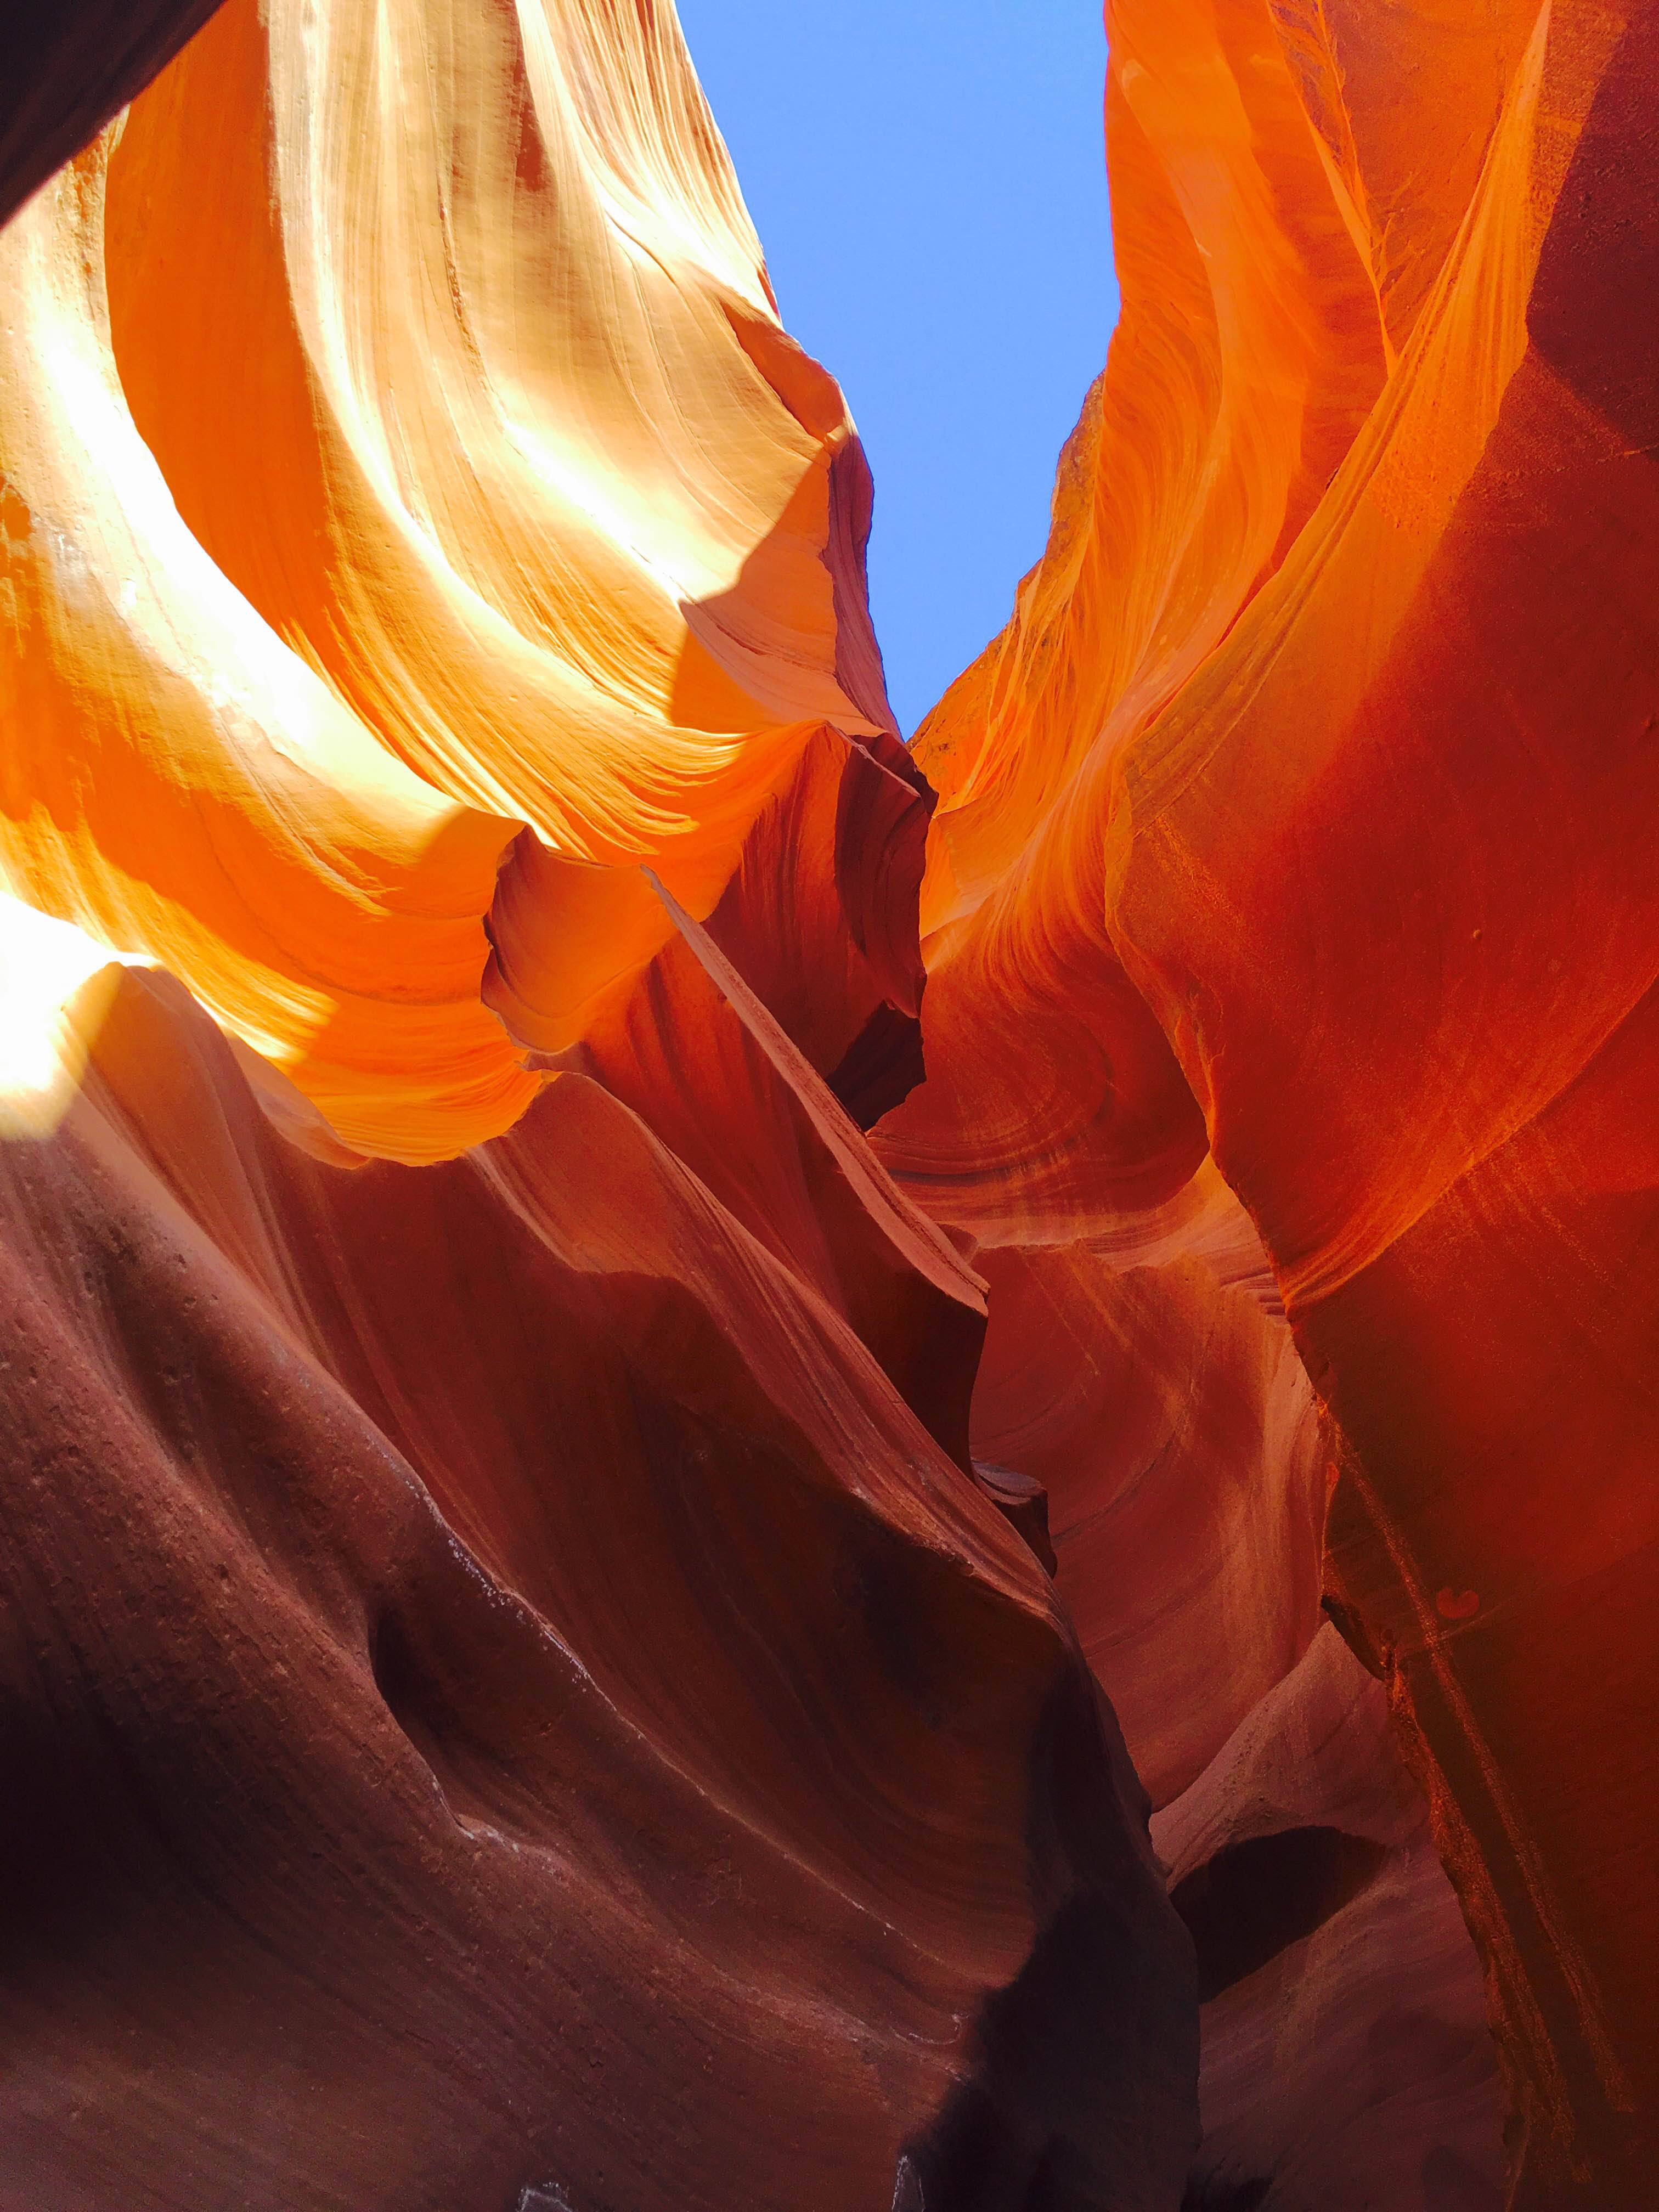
x=1302 y=811
x=504 y=1688
x=633 y=1319
x=516 y=1693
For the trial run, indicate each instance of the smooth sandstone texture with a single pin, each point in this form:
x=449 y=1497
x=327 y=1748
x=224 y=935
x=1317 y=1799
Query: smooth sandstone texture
x=514 y=1694
x=506 y=1692
x=469 y=376
x=181 y=785
x=439 y=471
x=1306 y=808
x=1347 y=2053
x=632 y=1319
x=1165 y=1412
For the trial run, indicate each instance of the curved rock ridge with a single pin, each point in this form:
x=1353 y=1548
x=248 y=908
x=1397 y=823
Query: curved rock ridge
x=742 y=1466
x=1303 y=816
x=181 y=785
x=503 y=1685
x=469 y=376
x=516 y=1694
x=443 y=470
x=1346 y=2044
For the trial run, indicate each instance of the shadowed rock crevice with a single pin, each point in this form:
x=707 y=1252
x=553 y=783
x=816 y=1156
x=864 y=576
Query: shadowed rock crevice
x=1042 y=2123
x=1255 y=1899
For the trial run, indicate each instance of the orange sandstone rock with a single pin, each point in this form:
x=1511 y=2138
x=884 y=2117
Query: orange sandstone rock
x=516 y=1695
x=545 y=1359
x=468 y=375
x=1318 y=749
x=1443 y=1144
x=448 y=444
x=506 y=1695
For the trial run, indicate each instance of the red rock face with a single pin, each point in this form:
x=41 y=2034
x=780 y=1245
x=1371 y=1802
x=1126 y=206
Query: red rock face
x=506 y=1692
x=1345 y=2036
x=1321 y=727
x=664 y=1365
x=1444 y=1160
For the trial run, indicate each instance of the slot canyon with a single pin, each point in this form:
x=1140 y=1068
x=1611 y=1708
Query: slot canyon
x=749 y=1468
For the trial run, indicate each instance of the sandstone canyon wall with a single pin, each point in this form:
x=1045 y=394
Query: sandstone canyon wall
x=1292 y=856
x=665 y=1364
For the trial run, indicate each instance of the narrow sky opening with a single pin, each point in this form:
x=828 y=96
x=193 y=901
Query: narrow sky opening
x=928 y=181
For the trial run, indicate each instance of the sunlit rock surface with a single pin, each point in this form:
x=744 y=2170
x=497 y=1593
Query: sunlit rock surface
x=1307 y=807
x=442 y=470
x=514 y=1693
x=663 y=1365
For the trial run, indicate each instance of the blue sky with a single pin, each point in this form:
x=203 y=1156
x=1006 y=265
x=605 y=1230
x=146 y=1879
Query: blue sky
x=927 y=180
